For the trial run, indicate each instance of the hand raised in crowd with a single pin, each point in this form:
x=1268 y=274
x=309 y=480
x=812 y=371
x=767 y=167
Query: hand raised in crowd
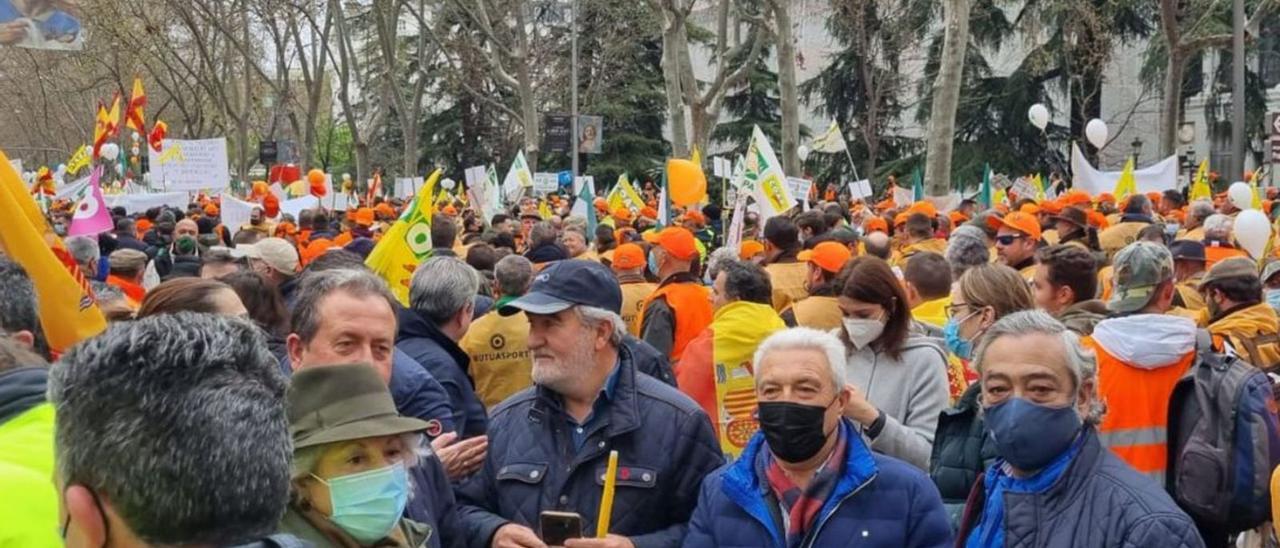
x=514 y=535
x=460 y=458
x=858 y=408
x=611 y=541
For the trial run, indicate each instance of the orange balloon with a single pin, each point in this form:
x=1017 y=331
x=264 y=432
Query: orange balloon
x=687 y=182
x=315 y=177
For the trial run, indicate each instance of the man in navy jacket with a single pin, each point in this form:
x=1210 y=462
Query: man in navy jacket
x=551 y=443
x=807 y=478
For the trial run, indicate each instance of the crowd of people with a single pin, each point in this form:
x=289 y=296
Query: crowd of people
x=1079 y=372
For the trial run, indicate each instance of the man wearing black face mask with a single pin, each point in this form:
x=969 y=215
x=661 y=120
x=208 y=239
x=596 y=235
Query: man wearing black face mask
x=1054 y=484
x=808 y=478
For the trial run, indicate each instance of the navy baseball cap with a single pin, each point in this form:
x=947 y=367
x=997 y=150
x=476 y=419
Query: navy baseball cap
x=563 y=284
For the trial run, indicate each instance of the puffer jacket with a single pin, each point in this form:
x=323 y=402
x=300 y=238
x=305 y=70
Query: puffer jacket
x=1098 y=502
x=445 y=360
x=961 y=451
x=665 y=447
x=878 y=501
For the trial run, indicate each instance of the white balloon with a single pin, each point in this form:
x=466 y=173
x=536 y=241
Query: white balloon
x=1241 y=195
x=1096 y=131
x=1039 y=116
x=1253 y=230
x=803 y=152
x=110 y=151
x=448 y=184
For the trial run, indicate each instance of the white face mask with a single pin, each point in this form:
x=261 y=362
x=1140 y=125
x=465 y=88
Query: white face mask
x=862 y=331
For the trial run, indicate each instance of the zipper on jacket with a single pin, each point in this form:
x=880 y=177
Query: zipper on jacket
x=816 y=530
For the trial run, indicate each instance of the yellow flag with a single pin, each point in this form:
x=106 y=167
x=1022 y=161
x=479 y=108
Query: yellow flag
x=1037 y=182
x=696 y=157
x=406 y=244
x=79 y=160
x=68 y=311
x=999 y=197
x=740 y=327
x=1200 y=189
x=544 y=210
x=1127 y=185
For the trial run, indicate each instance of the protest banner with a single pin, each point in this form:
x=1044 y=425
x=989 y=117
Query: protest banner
x=190 y=165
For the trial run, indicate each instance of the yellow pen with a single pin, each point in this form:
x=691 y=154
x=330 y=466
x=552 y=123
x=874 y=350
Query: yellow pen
x=606 y=499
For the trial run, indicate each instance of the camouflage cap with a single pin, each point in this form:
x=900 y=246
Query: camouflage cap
x=1139 y=269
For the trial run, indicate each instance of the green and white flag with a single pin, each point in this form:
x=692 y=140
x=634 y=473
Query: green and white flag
x=764 y=179
x=518 y=178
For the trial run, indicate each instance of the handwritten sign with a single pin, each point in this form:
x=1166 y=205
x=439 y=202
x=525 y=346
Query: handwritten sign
x=190 y=164
x=546 y=183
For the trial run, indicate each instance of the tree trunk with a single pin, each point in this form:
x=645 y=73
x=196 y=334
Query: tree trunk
x=673 y=42
x=946 y=97
x=787 y=89
x=1170 y=109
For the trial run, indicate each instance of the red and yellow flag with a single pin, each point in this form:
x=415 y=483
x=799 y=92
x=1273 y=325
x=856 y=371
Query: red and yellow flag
x=134 y=118
x=68 y=310
x=158 y=133
x=107 y=125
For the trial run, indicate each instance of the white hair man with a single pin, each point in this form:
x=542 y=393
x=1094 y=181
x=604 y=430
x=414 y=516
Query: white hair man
x=552 y=441
x=1219 y=242
x=807 y=456
x=1040 y=405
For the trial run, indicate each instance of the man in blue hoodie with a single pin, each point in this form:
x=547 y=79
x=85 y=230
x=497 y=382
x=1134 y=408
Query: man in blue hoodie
x=808 y=478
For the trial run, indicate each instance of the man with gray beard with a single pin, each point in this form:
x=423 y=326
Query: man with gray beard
x=549 y=444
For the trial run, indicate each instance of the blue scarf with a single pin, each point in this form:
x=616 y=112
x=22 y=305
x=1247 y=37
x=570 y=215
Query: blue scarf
x=990 y=530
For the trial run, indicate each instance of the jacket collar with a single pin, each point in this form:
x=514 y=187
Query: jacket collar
x=1071 y=483
x=746 y=489
x=623 y=407
x=678 y=278
x=21 y=389
x=413 y=325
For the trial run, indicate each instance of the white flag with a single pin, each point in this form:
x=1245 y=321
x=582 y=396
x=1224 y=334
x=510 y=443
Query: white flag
x=831 y=140
x=518 y=178
x=764 y=178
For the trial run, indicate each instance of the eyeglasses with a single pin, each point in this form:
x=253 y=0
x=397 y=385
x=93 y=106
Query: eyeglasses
x=953 y=310
x=1008 y=239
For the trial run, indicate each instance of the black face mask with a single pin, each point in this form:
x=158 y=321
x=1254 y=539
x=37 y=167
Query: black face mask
x=793 y=430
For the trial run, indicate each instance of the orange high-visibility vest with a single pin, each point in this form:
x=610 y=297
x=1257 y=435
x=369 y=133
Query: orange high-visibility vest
x=690 y=306
x=1135 y=426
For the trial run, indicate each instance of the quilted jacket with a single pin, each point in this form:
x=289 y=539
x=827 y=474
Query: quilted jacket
x=879 y=501
x=665 y=448
x=1098 y=502
x=445 y=360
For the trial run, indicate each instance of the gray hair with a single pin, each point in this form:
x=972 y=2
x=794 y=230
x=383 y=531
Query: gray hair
x=441 y=287
x=179 y=420
x=84 y=249
x=806 y=338
x=1218 y=227
x=1080 y=363
x=513 y=273
x=717 y=259
x=592 y=316
x=315 y=286
x=967 y=249
x=19 y=308
x=305 y=459
x=1200 y=210
x=542 y=233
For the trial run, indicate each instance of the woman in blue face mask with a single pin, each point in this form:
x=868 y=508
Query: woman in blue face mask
x=351 y=463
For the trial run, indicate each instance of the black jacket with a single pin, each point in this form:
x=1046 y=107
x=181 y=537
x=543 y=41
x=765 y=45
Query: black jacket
x=961 y=452
x=446 y=361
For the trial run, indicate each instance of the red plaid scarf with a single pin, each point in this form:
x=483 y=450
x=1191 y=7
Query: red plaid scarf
x=802 y=506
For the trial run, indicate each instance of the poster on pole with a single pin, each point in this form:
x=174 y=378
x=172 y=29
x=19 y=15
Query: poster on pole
x=41 y=25
x=590 y=134
x=190 y=165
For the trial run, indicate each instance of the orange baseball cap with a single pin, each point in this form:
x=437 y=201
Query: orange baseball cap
x=1106 y=198
x=1052 y=207
x=676 y=240
x=628 y=256
x=622 y=214
x=695 y=216
x=1154 y=197
x=449 y=210
x=876 y=224
x=925 y=207
x=649 y=212
x=829 y=256
x=1097 y=219
x=385 y=210
x=901 y=218
x=1018 y=220
x=958 y=218
x=1075 y=197
x=1029 y=209
x=749 y=249
x=211 y=210
x=364 y=216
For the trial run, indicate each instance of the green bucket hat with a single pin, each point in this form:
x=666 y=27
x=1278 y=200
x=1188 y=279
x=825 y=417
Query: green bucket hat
x=340 y=403
x=1139 y=269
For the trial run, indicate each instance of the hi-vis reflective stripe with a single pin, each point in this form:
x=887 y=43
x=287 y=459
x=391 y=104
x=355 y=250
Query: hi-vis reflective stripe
x=1127 y=437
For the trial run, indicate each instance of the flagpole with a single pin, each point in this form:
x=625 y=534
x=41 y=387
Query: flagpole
x=850 y=157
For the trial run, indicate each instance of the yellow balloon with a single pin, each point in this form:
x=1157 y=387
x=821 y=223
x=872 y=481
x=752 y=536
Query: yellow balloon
x=687 y=182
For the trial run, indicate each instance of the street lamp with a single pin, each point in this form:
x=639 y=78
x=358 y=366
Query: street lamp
x=1137 y=149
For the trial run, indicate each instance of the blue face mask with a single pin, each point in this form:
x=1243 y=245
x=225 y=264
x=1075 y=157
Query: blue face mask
x=1029 y=435
x=1273 y=298
x=653 y=263
x=368 y=505
x=960 y=346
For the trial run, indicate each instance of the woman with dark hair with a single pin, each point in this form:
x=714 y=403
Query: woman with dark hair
x=191 y=295
x=899 y=381
x=265 y=306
